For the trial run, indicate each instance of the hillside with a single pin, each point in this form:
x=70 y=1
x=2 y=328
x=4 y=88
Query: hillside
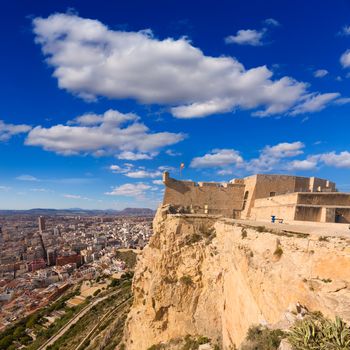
x=214 y=277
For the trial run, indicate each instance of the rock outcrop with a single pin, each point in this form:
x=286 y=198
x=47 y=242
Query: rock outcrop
x=205 y=275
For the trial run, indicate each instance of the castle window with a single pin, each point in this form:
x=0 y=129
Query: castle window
x=272 y=194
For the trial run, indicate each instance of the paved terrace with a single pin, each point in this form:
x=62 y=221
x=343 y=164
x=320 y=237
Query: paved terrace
x=308 y=227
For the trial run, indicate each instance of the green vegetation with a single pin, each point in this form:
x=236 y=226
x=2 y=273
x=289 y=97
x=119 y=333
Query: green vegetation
x=263 y=338
x=244 y=233
x=187 y=280
x=192 y=343
x=318 y=332
x=278 y=252
x=194 y=238
x=260 y=228
x=169 y=280
x=17 y=333
x=128 y=256
x=97 y=292
x=323 y=239
x=98 y=320
x=188 y=343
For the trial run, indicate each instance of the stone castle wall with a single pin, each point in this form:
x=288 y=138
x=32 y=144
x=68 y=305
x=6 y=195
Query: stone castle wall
x=204 y=197
x=260 y=196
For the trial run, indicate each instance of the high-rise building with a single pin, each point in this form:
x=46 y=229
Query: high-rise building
x=51 y=257
x=41 y=221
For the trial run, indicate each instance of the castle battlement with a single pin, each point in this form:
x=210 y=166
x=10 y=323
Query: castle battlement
x=261 y=196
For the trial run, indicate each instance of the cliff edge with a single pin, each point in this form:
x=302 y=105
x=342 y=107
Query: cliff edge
x=206 y=275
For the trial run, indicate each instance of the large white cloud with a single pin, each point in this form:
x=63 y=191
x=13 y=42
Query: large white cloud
x=101 y=134
x=91 y=60
x=9 y=130
x=271 y=158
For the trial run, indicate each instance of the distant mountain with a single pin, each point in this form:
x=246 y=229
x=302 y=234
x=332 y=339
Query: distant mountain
x=137 y=211
x=81 y=212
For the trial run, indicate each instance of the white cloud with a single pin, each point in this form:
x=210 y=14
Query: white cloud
x=40 y=190
x=9 y=130
x=340 y=160
x=137 y=172
x=320 y=73
x=224 y=172
x=91 y=60
x=172 y=153
x=72 y=196
x=276 y=157
x=111 y=132
x=272 y=22
x=130 y=190
x=142 y=174
x=284 y=150
x=5 y=188
x=115 y=168
x=27 y=178
x=342 y=101
x=246 y=37
x=345 y=30
x=315 y=103
x=345 y=59
x=306 y=164
x=158 y=182
x=127 y=155
x=270 y=156
x=217 y=158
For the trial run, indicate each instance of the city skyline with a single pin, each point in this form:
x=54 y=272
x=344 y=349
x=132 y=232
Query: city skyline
x=98 y=101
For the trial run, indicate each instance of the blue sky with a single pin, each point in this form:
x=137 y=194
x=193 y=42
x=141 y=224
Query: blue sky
x=98 y=99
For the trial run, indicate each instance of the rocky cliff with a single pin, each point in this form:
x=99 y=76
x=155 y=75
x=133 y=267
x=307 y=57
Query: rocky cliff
x=210 y=276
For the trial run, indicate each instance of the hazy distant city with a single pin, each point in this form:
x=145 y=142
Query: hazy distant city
x=40 y=257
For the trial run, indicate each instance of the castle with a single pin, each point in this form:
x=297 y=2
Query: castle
x=260 y=197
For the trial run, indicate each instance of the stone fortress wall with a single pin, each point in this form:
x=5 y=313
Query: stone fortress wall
x=259 y=197
x=204 y=197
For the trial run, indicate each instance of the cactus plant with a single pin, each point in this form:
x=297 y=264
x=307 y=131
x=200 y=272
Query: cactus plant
x=316 y=332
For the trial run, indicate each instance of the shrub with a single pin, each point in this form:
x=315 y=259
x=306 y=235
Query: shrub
x=203 y=340
x=169 y=280
x=263 y=338
x=260 y=229
x=318 y=332
x=187 y=280
x=96 y=292
x=323 y=239
x=114 y=282
x=156 y=347
x=244 y=233
x=193 y=239
x=278 y=252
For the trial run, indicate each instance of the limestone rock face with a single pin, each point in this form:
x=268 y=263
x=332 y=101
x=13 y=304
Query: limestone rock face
x=208 y=276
